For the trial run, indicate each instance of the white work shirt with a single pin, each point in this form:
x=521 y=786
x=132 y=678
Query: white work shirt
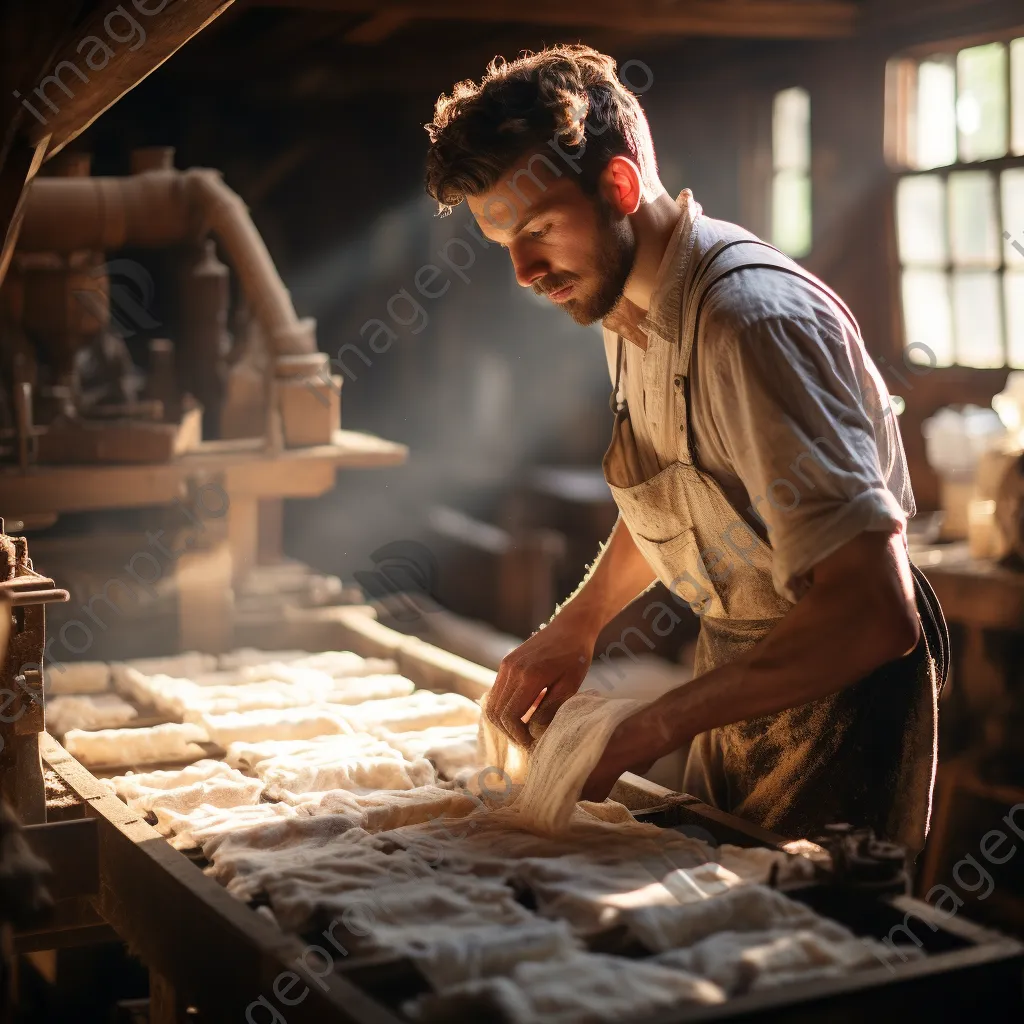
x=788 y=412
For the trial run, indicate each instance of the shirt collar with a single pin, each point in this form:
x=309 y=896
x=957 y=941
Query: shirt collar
x=662 y=318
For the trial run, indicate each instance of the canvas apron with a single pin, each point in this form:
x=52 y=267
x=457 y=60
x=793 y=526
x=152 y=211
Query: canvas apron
x=864 y=755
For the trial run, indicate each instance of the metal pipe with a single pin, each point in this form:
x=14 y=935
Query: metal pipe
x=159 y=208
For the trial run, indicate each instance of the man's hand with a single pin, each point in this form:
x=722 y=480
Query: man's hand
x=555 y=659
x=628 y=750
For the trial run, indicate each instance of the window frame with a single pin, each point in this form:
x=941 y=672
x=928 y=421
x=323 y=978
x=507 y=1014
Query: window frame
x=900 y=84
x=775 y=171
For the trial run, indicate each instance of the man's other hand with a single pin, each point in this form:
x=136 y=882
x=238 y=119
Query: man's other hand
x=629 y=749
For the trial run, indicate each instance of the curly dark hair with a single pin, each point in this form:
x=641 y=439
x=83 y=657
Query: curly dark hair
x=567 y=96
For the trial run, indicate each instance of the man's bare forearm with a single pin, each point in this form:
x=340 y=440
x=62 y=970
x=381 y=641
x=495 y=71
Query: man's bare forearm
x=619 y=573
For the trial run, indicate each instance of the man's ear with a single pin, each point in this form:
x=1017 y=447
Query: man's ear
x=621 y=186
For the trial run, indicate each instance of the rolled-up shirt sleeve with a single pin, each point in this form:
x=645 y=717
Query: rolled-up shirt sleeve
x=792 y=412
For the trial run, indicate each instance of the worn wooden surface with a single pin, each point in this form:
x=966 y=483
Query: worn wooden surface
x=246 y=468
x=219 y=955
x=167 y=28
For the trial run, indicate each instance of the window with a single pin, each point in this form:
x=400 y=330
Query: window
x=956 y=133
x=791 y=172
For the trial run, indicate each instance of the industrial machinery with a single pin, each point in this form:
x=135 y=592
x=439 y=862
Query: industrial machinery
x=131 y=425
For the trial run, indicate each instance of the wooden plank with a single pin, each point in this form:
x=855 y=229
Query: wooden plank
x=776 y=19
x=111 y=37
x=74 y=922
x=70 y=848
x=164 y=1005
x=377 y=27
x=205 y=599
x=220 y=955
x=18 y=170
x=300 y=472
x=243 y=536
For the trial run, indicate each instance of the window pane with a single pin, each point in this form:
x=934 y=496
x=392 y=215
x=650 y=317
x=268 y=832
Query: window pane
x=791 y=212
x=921 y=220
x=926 y=315
x=974 y=237
x=791 y=130
x=1013 y=283
x=978 y=319
x=1013 y=216
x=1017 y=94
x=981 y=102
x=935 y=133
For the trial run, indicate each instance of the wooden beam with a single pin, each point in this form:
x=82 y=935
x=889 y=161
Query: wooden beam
x=105 y=59
x=378 y=27
x=18 y=171
x=776 y=19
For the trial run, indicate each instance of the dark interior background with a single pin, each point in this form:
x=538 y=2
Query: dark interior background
x=321 y=131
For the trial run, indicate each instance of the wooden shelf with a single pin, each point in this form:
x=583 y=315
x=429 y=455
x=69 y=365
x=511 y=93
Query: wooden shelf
x=247 y=469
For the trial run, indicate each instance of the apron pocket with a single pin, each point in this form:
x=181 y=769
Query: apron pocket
x=681 y=568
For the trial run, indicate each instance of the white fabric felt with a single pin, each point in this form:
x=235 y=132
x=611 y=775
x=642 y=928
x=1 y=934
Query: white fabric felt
x=355 y=762
x=384 y=810
x=208 y=783
x=347 y=665
x=560 y=762
x=242 y=656
x=286 y=724
x=741 y=962
x=310 y=868
x=87 y=711
x=450 y=748
x=178 y=697
x=746 y=908
x=427 y=918
x=589 y=891
x=172 y=742
x=420 y=710
x=205 y=824
x=135 y=784
x=182 y=666
x=365 y=773
x=585 y=988
x=337 y=664
x=448 y=955
x=76 y=677
x=378 y=686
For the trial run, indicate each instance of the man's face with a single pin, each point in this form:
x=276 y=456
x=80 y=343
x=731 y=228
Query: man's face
x=576 y=249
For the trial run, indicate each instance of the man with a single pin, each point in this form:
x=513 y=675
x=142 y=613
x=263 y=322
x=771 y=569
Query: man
x=756 y=464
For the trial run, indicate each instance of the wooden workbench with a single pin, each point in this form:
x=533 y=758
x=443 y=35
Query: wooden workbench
x=208 y=951
x=235 y=487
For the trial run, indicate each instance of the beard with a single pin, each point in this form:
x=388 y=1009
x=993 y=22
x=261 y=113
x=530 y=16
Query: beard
x=615 y=255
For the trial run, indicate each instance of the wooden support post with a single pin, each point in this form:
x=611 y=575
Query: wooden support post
x=270 y=549
x=243 y=536
x=206 y=599
x=164 y=1005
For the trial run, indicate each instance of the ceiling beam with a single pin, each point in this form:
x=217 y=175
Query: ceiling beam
x=777 y=19
x=378 y=27
x=105 y=57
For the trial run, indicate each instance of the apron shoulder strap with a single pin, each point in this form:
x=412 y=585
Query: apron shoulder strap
x=613 y=399
x=726 y=257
